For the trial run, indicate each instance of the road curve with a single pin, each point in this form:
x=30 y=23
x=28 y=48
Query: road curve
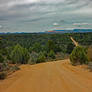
x=57 y=76
x=75 y=43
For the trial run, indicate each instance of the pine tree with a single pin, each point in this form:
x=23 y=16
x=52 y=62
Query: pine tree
x=78 y=56
x=51 y=54
x=20 y=55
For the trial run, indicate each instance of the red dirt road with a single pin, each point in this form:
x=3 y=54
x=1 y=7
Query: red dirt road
x=49 y=77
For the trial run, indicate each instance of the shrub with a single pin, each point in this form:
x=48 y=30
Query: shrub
x=78 y=56
x=61 y=56
x=16 y=54
x=70 y=48
x=1 y=59
x=20 y=55
x=4 y=66
x=51 y=54
x=33 y=58
x=26 y=56
x=41 y=58
x=14 y=68
x=50 y=45
x=3 y=75
x=45 y=53
x=36 y=47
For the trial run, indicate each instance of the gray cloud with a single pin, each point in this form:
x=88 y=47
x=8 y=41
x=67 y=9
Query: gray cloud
x=36 y=12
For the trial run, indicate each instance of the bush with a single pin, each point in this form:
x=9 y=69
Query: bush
x=3 y=75
x=50 y=45
x=20 y=55
x=4 y=66
x=70 y=48
x=14 y=68
x=51 y=54
x=16 y=54
x=1 y=59
x=26 y=56
x=41 y=58
x=61 y=56
x=78 y=56
x=33 y=58
x=36 y=47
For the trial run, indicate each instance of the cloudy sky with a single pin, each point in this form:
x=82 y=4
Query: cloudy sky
x=43 y=15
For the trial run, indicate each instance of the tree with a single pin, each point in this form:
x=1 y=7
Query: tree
x=33 y=58
x=19 y=55
x=70 y=48
x=50 y=45
x=41 y=58
x=51 y=54
x=36 y=47
x=16 y=54
x=25 y=56
x=78 y=56
x=1 y=59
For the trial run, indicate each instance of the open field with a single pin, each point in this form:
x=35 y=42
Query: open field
x=58 y=76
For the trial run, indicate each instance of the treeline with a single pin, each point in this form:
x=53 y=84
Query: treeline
x=35 y=54
x=35 y=48
x=27 y=40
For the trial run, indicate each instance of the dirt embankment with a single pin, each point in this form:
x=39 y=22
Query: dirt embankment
x=57 y=76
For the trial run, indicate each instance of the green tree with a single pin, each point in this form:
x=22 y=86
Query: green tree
x=19 y=55
x=41 y=58
x=1 y=59
x=50 y=45
x=25 y=56
x=78 y=56
x=51 y=54
x=70 y=48
x=36 y=47
x=33 y=58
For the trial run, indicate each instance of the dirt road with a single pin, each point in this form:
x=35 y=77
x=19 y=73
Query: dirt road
x=75 y=43
x=57 y=76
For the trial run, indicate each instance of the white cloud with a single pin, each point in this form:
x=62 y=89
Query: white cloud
x=45 y=11
x=18 y=2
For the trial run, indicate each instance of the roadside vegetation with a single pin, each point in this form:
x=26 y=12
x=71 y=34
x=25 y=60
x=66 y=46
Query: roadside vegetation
x=79 y=56
x=16 y=49
x=82 y=55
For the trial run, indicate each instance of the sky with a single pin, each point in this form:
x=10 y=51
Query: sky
x=44 y=15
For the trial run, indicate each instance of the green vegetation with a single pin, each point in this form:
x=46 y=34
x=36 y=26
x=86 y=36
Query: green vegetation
x=51 y=54
x=1 y=59
x=41 y=58
x=27 y=48
x=33 y=58
x=70 y=48
x=3 y=75
x=5 y=67
x=79 y=56
x=37 y=48
x=19 y=55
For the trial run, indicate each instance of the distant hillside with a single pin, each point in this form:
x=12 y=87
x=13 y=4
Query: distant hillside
x=70 y=31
